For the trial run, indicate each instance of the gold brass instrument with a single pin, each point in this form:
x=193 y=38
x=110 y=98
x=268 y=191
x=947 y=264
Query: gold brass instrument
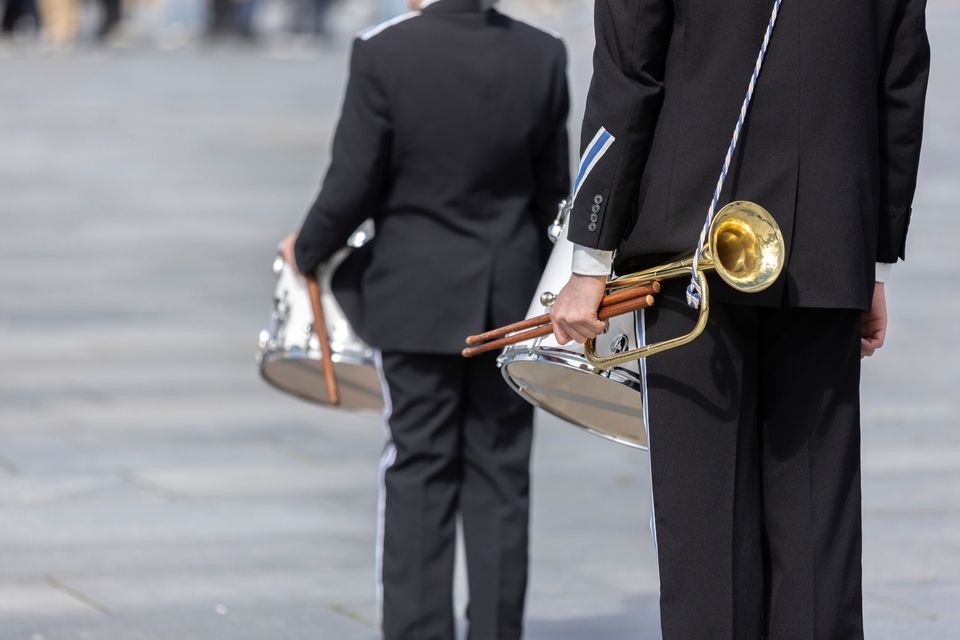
x=744 y=246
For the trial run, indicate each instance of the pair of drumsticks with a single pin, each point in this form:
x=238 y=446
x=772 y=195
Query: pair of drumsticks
x=613 y=304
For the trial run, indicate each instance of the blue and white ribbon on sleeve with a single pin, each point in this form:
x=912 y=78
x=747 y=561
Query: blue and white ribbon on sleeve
x=591 y=156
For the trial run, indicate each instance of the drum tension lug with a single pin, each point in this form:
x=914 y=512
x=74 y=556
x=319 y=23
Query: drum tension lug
x=619 y=344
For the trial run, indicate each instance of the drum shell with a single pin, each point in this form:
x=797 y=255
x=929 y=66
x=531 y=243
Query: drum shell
x=559 y=379
x=289 y=350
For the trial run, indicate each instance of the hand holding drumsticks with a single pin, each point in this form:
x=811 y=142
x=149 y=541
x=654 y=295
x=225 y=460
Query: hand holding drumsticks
x=613 y=304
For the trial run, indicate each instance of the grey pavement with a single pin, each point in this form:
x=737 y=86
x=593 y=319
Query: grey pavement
x=152 y=487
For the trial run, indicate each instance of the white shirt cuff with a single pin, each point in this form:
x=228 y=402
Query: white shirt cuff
x=592 y=262
x=883 y=271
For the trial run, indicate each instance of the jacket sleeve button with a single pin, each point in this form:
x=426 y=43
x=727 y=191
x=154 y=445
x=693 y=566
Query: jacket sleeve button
x=592 y=226
x=598 y=199
x=595 y=208
x=594 y=217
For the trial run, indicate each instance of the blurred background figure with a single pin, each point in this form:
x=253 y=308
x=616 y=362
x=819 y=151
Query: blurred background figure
x=310 y=17
x=171 y=24
x=19 y=14
x=231 y=18
x=60 y=20
x=110 y=19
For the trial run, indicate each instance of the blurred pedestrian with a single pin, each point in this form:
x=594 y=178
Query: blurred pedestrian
x=310 y=17
x=754 y=428
x=59 y=20
x=15 y=12
x=110 y=18
x=231 y=18
x=453 y=139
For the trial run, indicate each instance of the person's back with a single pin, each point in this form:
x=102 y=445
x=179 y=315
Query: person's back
x=824 y=147
x=470 y=108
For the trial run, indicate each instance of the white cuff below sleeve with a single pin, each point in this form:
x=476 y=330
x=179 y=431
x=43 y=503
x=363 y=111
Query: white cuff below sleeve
x=592 y=262
x=884 y=269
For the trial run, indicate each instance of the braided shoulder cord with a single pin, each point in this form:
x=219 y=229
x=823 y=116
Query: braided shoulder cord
x=693 y=291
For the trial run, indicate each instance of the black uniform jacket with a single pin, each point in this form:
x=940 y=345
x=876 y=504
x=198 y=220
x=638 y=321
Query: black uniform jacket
x=830 y=147
x=453 y=139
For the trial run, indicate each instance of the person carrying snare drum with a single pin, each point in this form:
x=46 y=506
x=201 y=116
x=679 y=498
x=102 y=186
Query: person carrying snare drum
x=754 y=427
x=453 y=139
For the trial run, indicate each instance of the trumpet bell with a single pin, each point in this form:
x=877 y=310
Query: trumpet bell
x=746 y=246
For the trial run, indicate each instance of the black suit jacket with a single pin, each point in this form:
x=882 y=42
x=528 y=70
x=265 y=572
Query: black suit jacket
x=831 y=145
x=453 y=139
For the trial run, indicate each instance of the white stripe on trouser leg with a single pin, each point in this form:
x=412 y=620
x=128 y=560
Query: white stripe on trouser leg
x=641 y=341
x=387 y=458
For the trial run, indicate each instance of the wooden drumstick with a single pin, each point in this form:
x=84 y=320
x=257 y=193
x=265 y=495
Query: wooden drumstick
x=613 y=298
x=499 y=343
x=604 y=313
x=320 y=328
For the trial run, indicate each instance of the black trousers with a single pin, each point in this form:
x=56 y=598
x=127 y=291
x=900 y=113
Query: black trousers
x=755 y=458
x=459 y=444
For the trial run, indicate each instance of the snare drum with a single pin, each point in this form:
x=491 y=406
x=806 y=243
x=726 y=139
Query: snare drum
x=559 y=379
x=289 y=350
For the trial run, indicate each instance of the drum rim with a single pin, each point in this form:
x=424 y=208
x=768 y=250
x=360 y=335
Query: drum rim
x=271 y=355
x=563 y=358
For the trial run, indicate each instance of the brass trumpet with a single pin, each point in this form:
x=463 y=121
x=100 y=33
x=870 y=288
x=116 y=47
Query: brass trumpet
x=744 y=246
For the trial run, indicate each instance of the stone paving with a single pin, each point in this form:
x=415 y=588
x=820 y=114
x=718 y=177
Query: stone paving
x=152 y=487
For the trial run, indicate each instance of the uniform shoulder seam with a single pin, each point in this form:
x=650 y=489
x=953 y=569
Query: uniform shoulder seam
x=375 y=30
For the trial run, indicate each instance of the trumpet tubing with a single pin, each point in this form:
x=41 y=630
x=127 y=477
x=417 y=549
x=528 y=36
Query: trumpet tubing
x=744 y=246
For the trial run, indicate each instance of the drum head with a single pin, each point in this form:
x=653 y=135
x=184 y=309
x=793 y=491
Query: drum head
x=588 y=400
x=303 y=377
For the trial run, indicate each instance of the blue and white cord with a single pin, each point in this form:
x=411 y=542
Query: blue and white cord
x=694 y=296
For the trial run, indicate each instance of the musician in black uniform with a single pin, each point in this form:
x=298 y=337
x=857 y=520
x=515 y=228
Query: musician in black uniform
x=453 y=139
x=754 y=428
